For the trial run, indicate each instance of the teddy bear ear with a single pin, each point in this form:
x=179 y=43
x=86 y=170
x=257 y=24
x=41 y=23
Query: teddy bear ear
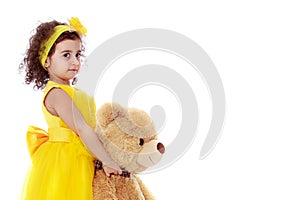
x=109 y=112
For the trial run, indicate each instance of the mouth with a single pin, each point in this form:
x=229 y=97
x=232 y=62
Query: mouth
x=73 y=70
x=151 y=160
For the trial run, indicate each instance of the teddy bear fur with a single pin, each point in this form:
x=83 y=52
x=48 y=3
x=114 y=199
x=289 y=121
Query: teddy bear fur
x=129 y=136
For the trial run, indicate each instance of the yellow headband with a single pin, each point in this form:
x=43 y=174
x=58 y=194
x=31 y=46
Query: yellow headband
x=75 y=25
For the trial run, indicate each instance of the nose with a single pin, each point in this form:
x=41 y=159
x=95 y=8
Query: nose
x=160 y=147
x=75 y=60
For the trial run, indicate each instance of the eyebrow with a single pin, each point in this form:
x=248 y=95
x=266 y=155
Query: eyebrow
x=69 y=51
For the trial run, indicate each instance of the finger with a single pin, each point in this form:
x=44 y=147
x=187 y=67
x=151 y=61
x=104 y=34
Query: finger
x=107 y=174
x=115 y=172
x=120 y=170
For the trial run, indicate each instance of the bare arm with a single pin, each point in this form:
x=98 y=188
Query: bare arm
x=60 y=104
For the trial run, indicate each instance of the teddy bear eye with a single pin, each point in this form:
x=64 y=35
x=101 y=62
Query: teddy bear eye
x=141 y=141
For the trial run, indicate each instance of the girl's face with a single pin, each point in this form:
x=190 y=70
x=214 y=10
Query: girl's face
x=65 y=63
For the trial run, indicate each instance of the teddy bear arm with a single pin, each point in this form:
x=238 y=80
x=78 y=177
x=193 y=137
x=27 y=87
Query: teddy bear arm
x=127 y=188
x=103 y=188
x=146 y=192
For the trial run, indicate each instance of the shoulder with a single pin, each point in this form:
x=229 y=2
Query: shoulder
x=57 y=100
x=56 y=94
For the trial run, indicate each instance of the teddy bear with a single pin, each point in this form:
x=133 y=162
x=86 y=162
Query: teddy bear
x=130 y=138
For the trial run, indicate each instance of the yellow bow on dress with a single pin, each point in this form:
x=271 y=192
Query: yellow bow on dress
x=35 y=138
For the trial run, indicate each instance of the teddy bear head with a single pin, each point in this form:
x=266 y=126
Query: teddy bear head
x=129 y=136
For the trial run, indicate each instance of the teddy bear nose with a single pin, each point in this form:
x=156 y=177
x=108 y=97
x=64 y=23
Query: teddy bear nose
x=160 y=147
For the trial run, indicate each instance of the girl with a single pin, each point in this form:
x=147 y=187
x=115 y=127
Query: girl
x=63 y=157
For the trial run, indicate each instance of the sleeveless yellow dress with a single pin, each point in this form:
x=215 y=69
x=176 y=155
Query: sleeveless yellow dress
x=62 y=168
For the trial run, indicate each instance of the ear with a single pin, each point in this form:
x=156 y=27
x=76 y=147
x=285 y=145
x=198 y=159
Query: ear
x=109 y=112
x=139 y=117
x=47 y=63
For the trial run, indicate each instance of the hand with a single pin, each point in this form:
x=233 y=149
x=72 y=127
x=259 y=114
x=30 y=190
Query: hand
x=112 y=169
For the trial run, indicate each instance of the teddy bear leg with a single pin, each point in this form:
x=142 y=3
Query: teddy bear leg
x=146 y=192
x=103 y=187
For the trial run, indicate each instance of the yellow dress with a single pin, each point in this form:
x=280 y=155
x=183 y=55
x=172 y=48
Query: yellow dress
x=62 y=168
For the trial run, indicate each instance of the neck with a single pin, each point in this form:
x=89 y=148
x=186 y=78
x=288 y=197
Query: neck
x=60 y=81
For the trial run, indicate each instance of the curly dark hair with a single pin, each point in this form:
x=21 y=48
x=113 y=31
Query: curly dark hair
x=35 y=73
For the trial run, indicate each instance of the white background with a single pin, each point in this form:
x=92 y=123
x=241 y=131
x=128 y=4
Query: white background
x=255 y=46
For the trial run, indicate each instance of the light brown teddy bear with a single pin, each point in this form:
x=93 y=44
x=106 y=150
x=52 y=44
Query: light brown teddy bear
x=129 y=136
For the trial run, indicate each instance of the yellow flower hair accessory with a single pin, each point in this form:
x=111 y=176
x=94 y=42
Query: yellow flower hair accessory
x=75 y=25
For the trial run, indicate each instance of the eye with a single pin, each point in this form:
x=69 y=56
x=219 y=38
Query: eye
x=141 y=141
x=66 y=55
x=78 y=55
